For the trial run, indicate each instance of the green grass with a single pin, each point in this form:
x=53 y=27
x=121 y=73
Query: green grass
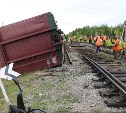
x=37 y=104
x=39 y=92
x=12 y=90
x=63 y=109
x=66 y=99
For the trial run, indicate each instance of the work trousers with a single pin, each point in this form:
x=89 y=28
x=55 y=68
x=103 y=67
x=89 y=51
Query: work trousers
x=98 y=49
x=90 y=41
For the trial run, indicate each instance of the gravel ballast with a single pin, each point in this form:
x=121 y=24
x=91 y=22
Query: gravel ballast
x=76 y=81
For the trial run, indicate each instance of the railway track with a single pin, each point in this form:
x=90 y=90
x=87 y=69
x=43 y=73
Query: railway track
x=90 y=81
x=105 y=49
x=67 y=58
x=112 y=80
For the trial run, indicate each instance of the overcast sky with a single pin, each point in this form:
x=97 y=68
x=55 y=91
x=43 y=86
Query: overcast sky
x=70 y=14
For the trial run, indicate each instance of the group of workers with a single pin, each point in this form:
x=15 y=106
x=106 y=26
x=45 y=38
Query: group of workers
x=74 y=38
x=116 y=46
x=101 y=41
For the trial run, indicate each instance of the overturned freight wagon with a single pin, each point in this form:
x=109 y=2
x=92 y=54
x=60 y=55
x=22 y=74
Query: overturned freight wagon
x=32 y=44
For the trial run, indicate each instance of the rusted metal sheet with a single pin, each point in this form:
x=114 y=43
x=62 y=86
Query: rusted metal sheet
x=31 y=44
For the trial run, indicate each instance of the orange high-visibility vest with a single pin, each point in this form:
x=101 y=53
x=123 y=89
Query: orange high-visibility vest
x=98 y=42
x=85 y=38
x=71 y=38
x=116 y=48
x=104 y=38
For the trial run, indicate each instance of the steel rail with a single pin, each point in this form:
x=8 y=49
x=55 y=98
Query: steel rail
x=70 y=61
x=109 y=76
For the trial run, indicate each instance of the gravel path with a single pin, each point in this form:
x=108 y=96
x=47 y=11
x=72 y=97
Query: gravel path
x=79 y=84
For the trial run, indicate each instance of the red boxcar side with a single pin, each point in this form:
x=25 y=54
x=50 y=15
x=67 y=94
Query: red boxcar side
x=30 y=44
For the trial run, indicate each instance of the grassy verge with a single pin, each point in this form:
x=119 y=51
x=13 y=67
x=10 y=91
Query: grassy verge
x=44 y=92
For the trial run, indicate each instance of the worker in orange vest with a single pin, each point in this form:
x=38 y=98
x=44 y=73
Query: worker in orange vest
x=90 y=39
x=74 y=38
x=104 y=38
x=116 y=47
x=95 y=38
x=123 y=51
x=98 y=43
x=85 y=38
x=71 y=40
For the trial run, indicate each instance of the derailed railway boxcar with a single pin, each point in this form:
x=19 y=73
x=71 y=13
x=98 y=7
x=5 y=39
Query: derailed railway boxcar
x=32 y=44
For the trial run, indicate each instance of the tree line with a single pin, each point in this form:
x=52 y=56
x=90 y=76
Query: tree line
x=97 y=30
